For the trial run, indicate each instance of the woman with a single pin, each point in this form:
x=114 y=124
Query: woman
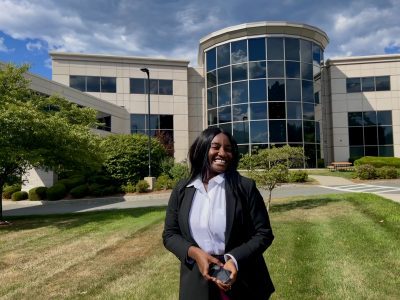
x=218 y=217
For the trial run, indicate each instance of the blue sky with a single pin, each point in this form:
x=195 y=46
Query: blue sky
x=29 y=29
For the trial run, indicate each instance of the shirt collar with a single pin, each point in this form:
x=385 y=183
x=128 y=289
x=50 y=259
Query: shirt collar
x=197 y=183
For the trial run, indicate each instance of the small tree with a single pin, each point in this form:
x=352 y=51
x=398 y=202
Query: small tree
x=274 y=164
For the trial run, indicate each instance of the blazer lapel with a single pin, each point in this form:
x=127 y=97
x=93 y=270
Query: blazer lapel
x=185 y=210
x=230 y=212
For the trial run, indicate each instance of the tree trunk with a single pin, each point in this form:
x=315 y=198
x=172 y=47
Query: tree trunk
x=1 y=201
x=269 y=200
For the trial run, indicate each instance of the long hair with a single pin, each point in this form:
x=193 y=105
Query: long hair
x=198 y=155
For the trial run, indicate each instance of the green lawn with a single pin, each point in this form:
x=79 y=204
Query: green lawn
x=343 y=246
x=326 y=172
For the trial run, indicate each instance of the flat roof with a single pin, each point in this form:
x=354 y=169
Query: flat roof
x=262 y=28
x=363 y=59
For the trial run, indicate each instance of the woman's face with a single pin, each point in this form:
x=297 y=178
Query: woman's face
x=220 y=155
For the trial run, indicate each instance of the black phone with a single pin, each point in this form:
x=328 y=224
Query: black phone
x=219 y=273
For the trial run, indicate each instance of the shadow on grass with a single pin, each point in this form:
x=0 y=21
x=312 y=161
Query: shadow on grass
x=303 y=204
x=71 y=220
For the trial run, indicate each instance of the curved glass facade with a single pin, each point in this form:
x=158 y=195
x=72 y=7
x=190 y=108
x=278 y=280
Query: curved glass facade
x=265 y=91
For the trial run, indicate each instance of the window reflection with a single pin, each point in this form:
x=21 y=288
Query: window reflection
x=241 y=132
x=292 y=69
x=258 y=90
x=306 y=51
x=224 y=94
x=224 y=75
x=224 y=114
x=276 y=90
x=308 y=91
x=211 y=57
x=307 y=71
x=258 y=111
x=211 y=79
x=294 y=110
x=295 y=131
x=239 y=72
x=259 y=131
x=239 y=92
x=239 y=51
x=308 y=111
x=223 y=55
x=276 y=110
x=257 y=49
x=240 y=112
x=292 y=49
x=212 y=98
x=275 y=48
x=257 y=70
x=275 y=69
x=293 y=90
x=277 y=131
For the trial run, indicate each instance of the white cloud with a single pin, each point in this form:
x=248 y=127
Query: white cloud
x=3 y=47
x=36 y=46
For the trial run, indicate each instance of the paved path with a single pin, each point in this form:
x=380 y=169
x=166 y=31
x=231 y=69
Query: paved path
x=327 y=184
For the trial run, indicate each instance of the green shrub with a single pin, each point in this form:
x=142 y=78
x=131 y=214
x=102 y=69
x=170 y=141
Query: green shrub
x=387 y=173
x=366 y=172
x=20 y=195
x=179 y=171
x=56 y=192
x=79 y=191
x=9 y=190
x=378 y=162
x=99 y=190
x=298 y=176
x=37 y=193
x=163 y=182
x=142 y=186
x=129 y=188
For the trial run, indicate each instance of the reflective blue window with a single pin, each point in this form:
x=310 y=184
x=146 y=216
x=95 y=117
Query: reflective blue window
x=79 y=82
x=293 y=90
x=292 y=49
x=276 y=69
x=239 y=52
x=92 y=84
x=275 y=48
x=257 y=70
x=316 y=54
x=306 y=51
x=257 y=49
x=224 y=94
x=224 y=75
x=295 y=131
x=258 y=111
x=384 y=117
x=308 y=91
x=355 y=119
x=239 y=92
x=212 y=98
x=223 y=55
x=241 y=132
x=369 y=118
x=212 y=116
x=292 y=69
x=258 y=90
x=276 y=90
x=227 y=127
x=309 y=131
x=224 y=114
x=307 y=71
x=294 y=110
x=239 y=72
x=259 y=131
x=277 y=131
x=308 y=111
x=211 y=79
x=211 y=57
x=276 y=110
x=240 y=112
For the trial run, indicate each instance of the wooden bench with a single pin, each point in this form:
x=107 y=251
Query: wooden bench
x=341 y=166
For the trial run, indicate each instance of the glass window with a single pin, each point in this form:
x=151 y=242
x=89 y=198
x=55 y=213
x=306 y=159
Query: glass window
x=307 y=71
x=92 y=84
x=224 y=75
x=153 y=86
x=384 y=117
x=292 y=69
x=239 y=72
x=239 y=51
x=108 y=85
x=276 y=110
x=295 y=131
x=166 y=122
x=292 y=49
x=275 y=48
x=137 y=86
x=316 y=98
x=212 y=116
x=356 y=152
x=276 y=90
x=275 y=69
x=277 y=131
x=78 y=82
x=258 y=111
x=259 y=131
x=224 y=95
x=243 y=149
x=258 y=90
x=308 y=91
x=241 y=132
x=308 y=111
x=154 y=122
x=294 y=110
x=257 y=49
x=211 y=79
x=386 y=151
x=257 y=70
x=211 y=98
x=239 y=92
x=309 y=131
x=317 y=132
x=370 y=135
x=306 y=51
x=368 y=84
x=311 y=153
x=355 y=119
x=138 y=122
x=356 y=136
x=240 y=112
x=371 y=151
x=165 y=87
x=382 y=83
x=369 y=118
x=223 y=55
x=227 y=127
x=316 y=55
x=293 y=90
x=353 y=85
x=211 y=60
x=385 y=135
x=224 y=114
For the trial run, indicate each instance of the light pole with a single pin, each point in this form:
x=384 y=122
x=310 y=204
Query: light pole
x=148 y=115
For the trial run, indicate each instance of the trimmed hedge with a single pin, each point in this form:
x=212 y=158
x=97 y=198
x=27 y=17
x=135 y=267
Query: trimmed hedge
x=79 y=191
x=56 y=192
x=38 y=193
x=20 y=195
x=378 y=162
x=9 y=190
x=298 y=176
x=387 y=173
x=366 y=172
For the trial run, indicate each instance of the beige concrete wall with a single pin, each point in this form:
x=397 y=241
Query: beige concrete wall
x=342 y=102
x=196 y=102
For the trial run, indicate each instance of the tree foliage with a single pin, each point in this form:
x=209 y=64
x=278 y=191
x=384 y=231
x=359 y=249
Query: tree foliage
x=126 y=157
x=270 y=167
x=40 y=131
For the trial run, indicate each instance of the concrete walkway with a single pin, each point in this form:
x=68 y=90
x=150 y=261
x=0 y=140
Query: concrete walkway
x=331 y=180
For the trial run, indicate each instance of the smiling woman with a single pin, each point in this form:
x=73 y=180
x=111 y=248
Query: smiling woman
x=218 y=218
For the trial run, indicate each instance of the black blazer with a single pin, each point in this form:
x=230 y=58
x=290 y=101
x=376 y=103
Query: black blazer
x=248 y=234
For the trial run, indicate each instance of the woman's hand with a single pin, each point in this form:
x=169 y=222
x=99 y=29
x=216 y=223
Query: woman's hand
x=230 y=266
x=203 y=260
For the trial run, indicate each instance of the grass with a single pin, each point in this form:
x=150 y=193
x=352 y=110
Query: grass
x=342 y=246
x=326 y=172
